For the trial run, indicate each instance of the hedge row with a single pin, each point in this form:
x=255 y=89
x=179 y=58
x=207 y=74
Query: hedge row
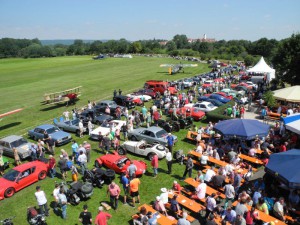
x=217 y=114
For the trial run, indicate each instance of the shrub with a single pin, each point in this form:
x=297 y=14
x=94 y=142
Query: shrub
x=217 y=114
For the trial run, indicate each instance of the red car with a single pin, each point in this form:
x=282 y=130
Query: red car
x=21 y=177
x=224 y=95
x=136 y=100
x=119 y=163
x=195 y=113
x=219 y=80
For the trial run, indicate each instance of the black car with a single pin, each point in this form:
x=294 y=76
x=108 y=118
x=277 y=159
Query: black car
x=101 y=106
x=124 y=101
x=94 y=116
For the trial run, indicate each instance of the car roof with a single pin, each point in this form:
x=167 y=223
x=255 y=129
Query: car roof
x=11 y=138
x=154 y=129
x=29 y=164
x=45 y=126
x=107 y=101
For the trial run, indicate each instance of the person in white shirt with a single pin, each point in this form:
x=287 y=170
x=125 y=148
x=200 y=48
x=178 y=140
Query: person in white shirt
x=199 y=148
x=210 y=173
x=204 y=159
x=80 y=126
x=279 y=209
x=42 y=201
x=56 y=199
x=164 y=195
x=82 y=159
x=210 y=204
x=169 y=159
x=200 y=191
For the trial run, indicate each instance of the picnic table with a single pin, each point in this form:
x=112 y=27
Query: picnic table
x=187 y=202
x=251 y=159
x=161 y=219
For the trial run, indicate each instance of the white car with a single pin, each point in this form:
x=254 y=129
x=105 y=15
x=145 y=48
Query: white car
x=203 y=106
x=105 y=128
x=142 y=148
x=250 y=83
x=144 y=98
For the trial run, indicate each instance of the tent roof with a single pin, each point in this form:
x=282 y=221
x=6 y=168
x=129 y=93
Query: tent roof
x=286 y=165
x=261 y=67
x=246 y=129
x=294 y=126
x=290 y=94
x=291 y=118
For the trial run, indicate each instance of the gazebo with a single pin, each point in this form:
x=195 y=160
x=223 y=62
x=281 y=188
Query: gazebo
x=289 y=94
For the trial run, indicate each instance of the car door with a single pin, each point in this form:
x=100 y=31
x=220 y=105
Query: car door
x=7 y=150
x=146 y=135
x=26 y=177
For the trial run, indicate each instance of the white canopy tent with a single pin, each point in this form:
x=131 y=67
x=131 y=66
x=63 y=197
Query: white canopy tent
x=263 y=67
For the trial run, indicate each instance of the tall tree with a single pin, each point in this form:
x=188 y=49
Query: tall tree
x=287 y=60
x=181 y=41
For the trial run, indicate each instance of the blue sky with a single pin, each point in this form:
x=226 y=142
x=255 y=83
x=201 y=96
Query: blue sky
x=138 y=19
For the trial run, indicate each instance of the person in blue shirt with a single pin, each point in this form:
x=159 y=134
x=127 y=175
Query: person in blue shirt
x=229 y=215
x=74 y=150
x=125 y=183
x=152 y=218
x=170 y=140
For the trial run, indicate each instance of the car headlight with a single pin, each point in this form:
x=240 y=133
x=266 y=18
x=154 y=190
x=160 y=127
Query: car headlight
x=58 y=141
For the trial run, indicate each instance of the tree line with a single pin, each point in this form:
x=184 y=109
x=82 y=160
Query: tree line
x=283 y=54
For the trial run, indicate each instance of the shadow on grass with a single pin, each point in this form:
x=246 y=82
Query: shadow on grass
x=10 y=125
x=52 y=107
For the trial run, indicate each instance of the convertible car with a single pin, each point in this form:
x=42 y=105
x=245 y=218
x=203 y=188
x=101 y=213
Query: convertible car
x=142 y=148
x=21 y=177
x=120 y=163
x=105 y=128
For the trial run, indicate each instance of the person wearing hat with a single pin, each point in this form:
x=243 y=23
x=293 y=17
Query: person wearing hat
x=85 y=217
x=164 y=195
x=42 y=201
x=102 y=217
x=114 y=192
x=170 y=140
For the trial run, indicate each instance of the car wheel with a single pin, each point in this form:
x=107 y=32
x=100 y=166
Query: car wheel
x=98 y=122
x=133 y=138
x=150 y=156
x=98 y=164
x=9 y=192
x=42 y=175
x=35 y=138
x=160 y=147
x=176 y=127
x=121 y=151
x=109 y=173
x=78 y=133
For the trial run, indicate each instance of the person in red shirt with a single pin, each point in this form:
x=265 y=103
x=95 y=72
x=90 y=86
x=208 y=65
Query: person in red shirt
x=52 y=164
x=282 y=147
x=176 y=187
x=154 y=164
x=102 y=217
x=156 y=117
x=114 y=192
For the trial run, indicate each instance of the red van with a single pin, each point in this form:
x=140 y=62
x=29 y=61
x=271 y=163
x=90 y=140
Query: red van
x=160 y=86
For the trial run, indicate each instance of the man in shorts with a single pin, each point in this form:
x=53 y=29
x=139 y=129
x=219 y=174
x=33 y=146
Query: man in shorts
x=134 y=189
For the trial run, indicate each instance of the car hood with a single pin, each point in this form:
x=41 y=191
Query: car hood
x=103 y=130
x=59 y=134
x=24 y=148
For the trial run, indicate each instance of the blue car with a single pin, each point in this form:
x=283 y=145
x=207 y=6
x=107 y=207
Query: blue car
x=215 y=102
x=219 y=98
x=202 y=98
x=60 y=137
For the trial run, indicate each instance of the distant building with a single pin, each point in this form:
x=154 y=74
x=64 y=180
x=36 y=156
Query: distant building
x=163 y=43
x=204 y=39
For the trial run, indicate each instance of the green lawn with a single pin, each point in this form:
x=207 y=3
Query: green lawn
x=23 y=84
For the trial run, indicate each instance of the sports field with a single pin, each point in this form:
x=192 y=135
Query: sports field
x=23 y=84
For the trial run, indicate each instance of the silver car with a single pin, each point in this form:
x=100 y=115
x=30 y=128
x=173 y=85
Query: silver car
x=13 y=141
x=151 y=135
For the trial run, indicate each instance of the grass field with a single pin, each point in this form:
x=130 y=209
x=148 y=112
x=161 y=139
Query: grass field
x=23 y=84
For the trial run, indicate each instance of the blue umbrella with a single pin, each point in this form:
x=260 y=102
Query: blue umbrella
x=286 y=167
x=244 y=129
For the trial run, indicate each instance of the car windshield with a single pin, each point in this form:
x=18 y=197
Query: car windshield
x=18 y=143
x=210 y=105
x=161 y=134
x=207 y=82
x=52 y=130
x=121 y=162
x=75 y=122
x=11 y=175
x=196 y=109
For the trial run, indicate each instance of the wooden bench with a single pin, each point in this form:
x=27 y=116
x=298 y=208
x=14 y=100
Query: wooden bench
x=180 y=212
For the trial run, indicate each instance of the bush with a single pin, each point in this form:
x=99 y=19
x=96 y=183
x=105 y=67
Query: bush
x=217 y=114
